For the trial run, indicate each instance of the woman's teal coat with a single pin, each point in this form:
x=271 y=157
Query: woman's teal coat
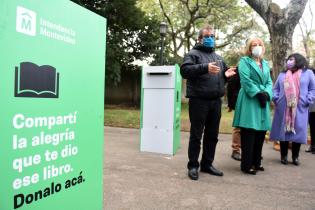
x=248 y=113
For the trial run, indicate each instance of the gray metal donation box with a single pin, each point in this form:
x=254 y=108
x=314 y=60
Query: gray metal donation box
x=160 y=109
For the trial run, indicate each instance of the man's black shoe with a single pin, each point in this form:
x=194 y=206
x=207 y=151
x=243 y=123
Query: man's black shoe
x=236 y=156
x=193 y=173
x=250 y=171
x=211 y=170
x=260 y=168
x=310 y=149
x=295 y=161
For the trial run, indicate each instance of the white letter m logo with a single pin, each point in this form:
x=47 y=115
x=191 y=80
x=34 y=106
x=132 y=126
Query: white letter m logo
x=25 y=21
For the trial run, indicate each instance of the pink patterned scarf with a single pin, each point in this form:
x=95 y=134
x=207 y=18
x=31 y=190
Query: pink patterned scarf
x=292 y=94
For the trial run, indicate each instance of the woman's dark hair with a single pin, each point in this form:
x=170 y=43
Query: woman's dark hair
x=300 y=60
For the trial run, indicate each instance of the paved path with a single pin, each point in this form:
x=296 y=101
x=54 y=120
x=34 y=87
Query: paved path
x=135 y=180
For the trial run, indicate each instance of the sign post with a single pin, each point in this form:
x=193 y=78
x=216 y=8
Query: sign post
x=52 y=71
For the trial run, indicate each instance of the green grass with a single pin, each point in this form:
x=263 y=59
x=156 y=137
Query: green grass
x=122 y=117
x=128 y=117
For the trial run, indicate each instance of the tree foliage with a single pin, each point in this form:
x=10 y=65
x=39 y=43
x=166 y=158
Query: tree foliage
x=131 y=35
x=185 y=17
x=306 y=28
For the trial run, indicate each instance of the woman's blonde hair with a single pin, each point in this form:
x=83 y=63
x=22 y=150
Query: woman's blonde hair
x=248 y=50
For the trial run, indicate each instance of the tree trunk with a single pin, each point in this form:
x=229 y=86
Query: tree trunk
x=188 y=44
x=281 y=24
x=307 y=50
x=281 y=44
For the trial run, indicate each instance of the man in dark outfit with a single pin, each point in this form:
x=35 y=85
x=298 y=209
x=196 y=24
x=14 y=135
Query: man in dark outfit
x=232 y=88
x=311 y=121
x=206 y=73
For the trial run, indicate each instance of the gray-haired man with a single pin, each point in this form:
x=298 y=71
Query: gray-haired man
x=206 y=73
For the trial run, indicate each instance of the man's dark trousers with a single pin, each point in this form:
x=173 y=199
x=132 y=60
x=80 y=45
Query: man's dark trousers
x=312 y=129
x=205 y=115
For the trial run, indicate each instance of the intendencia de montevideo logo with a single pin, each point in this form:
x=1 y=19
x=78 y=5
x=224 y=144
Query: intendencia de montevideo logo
x=25 y=21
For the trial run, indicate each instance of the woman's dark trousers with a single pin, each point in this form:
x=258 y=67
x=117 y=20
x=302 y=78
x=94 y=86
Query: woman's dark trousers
x=251 y=144
x=284 y=146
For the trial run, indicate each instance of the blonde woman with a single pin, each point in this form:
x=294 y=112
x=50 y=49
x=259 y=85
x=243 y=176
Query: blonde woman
x=252 y=112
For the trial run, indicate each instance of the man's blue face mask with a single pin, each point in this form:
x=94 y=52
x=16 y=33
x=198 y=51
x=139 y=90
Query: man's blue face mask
x=209 y=41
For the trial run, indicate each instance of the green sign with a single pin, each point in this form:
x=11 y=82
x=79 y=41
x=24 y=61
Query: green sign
x=177 y=109
x=52 y=71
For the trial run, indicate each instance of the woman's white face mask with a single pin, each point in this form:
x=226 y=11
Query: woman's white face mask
x=257 y=51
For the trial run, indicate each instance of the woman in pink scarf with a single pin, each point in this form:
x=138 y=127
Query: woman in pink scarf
x=293 y=93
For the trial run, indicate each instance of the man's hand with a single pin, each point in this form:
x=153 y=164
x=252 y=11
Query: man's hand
x=213 y=68
x=230 y=72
